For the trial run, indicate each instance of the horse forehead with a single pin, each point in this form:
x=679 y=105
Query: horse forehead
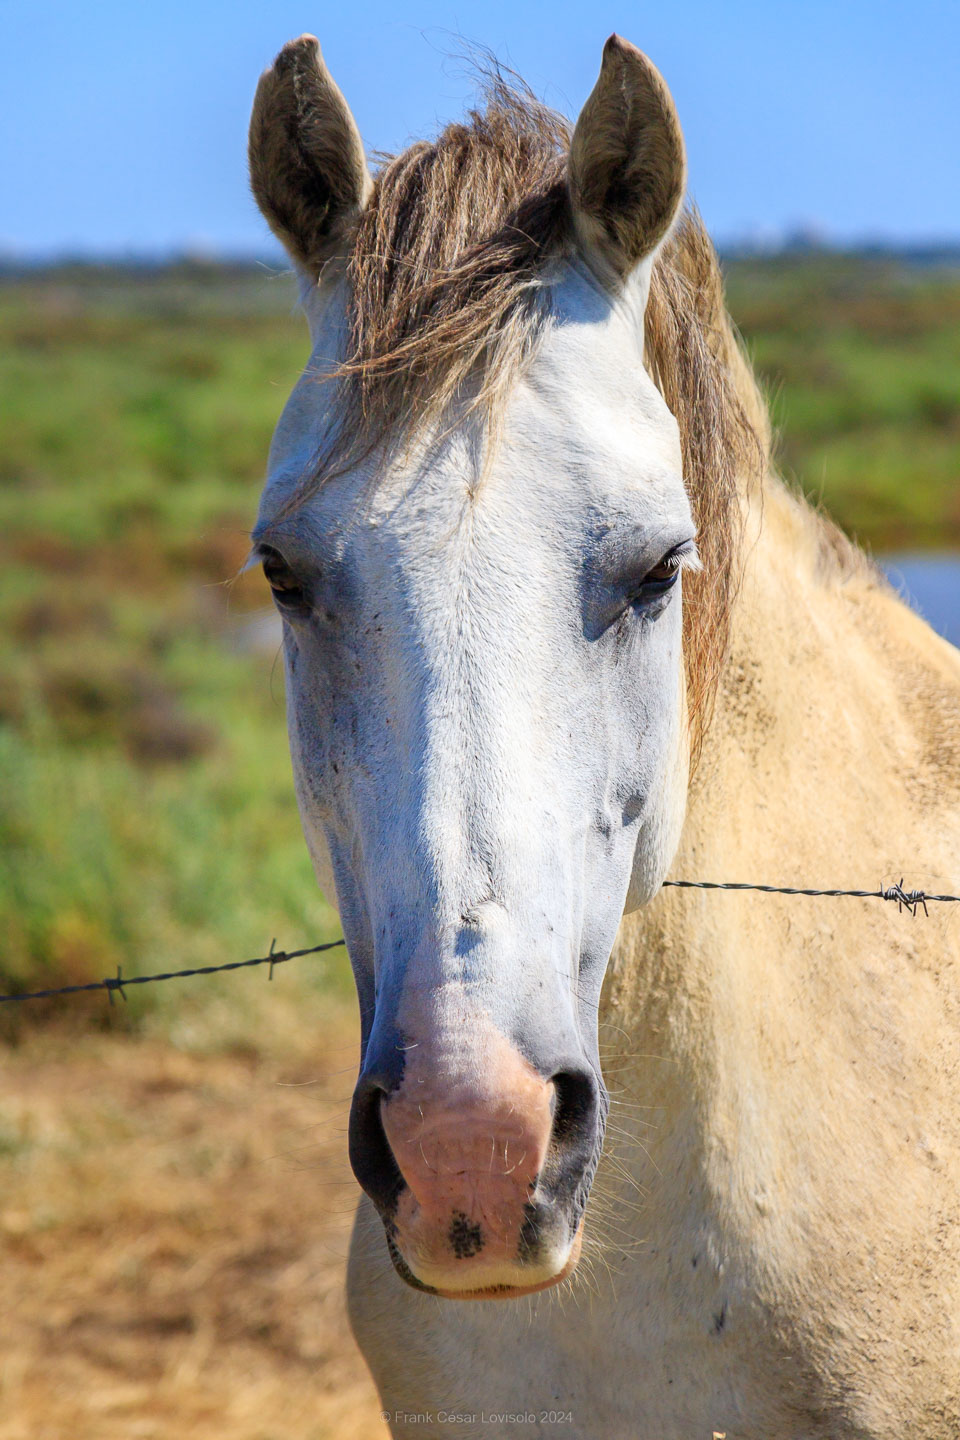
x=576 y=449
x=584 y=429
x=554 y=487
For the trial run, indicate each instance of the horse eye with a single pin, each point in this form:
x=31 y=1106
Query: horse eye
x=658 y=580
x=665 y=573
x=287 y=591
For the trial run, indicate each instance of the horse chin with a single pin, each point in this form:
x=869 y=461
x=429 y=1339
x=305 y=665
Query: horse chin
x=496 y=1290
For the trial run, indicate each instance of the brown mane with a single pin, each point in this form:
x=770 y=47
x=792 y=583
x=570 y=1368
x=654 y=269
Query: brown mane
x=448 y=281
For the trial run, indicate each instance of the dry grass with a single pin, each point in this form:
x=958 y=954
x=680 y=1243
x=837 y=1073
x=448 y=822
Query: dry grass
x=173 y=1230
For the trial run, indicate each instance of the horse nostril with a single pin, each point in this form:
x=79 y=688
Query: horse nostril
x=576 y=1105
x=576 y=1134
x=371 y=1157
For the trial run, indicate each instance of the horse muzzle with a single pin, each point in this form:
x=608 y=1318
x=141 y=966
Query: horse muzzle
x=479 y=1166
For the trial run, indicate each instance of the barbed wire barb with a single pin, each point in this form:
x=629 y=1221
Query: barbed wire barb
x=116 y=984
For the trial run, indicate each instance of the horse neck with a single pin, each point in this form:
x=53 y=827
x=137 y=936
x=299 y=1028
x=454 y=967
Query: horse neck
x=813 y=773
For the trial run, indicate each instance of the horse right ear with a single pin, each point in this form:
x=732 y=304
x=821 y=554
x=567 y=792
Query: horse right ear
x=307 y=167
x=627 y=169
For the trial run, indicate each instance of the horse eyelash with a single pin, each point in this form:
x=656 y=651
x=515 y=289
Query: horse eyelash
x=685 y=557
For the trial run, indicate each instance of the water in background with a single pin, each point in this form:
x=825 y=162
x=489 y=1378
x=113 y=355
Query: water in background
x=931 y=584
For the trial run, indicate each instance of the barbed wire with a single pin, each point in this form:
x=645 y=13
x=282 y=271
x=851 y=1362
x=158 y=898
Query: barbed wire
x=911 y=900
x=117 y=982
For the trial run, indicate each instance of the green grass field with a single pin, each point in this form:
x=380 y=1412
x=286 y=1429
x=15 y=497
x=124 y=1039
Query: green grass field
x=861 y=363
x=147 y=814
x=146 y=810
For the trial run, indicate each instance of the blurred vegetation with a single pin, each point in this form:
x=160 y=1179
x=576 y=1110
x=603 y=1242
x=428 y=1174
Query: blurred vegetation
x=146 y=809
x=860 y=359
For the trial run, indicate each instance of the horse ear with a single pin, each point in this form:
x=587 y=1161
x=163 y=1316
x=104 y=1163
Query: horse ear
x=307 y=167
x=627 y=168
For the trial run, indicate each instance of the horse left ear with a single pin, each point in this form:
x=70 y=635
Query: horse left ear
x=627 y=167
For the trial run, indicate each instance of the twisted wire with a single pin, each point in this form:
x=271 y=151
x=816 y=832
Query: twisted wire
x=911 y=900
x=112 y=983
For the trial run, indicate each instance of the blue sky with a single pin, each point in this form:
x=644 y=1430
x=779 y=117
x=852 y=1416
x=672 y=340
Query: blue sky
x=124 y=124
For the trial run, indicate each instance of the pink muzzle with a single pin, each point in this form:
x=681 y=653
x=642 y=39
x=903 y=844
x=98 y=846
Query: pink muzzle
x=470 y=1148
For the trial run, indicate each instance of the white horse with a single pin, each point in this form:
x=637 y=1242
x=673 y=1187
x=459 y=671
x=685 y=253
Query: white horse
x=524 y=430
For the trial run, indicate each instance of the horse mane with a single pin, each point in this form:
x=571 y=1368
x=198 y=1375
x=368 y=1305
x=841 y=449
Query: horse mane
x=448 y=280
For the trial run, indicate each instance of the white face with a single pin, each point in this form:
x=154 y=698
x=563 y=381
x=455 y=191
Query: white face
x=486 y=710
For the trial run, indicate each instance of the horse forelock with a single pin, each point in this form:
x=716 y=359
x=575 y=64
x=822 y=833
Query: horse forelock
x=448 y=286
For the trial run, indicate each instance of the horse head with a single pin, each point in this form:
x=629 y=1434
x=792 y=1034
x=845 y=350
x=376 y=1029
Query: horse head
x=475 y=528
